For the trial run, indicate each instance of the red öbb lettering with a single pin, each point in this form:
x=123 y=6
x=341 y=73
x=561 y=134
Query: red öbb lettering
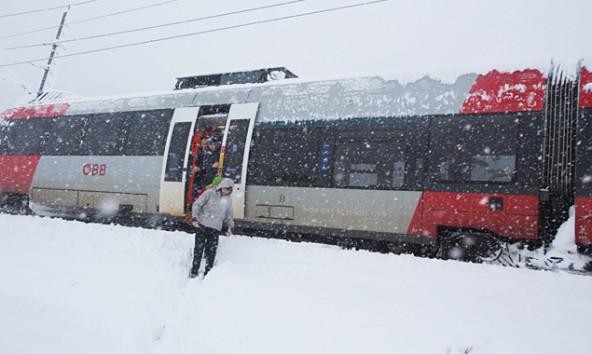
x=94 y=169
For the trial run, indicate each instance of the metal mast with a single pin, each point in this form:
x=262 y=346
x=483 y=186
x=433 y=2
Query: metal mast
x=53 y=50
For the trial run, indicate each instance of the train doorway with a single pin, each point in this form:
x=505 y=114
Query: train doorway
x=234 y=153
x=184 y=172
x=173 y=178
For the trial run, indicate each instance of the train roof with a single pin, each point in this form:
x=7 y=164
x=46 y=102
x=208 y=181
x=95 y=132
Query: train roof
x=407 y=93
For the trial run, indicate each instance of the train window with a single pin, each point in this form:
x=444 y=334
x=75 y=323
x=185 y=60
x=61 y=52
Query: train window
x=375 y=164
x=7 y=143
x=471 y=149
x=285 y=156
x=235 y=149
x=146 y=132
x=103 y=135
x=64 y=137
x=176 y=156
x=21 y=137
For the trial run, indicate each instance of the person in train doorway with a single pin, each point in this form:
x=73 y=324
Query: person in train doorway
x=209 y=162
x=198 y=180
x=210 y=213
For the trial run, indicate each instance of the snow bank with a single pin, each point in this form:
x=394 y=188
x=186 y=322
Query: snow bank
x=70 y=287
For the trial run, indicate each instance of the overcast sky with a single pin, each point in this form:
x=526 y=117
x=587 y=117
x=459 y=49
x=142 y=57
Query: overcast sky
x=384 y=37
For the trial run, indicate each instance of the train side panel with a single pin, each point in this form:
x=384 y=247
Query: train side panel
x=298 y=209
x=20 y=134
x=97 y=182
x=17 y=173
x=583 y=225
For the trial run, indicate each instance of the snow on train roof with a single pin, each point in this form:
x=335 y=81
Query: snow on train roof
x=409 y=92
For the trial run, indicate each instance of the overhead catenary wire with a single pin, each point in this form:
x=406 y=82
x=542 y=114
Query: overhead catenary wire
x=277 y=19
x=90 y=19
x=47 y=9
x=160 y=26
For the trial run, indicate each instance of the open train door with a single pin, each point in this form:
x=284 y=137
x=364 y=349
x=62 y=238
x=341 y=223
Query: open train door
x=234 y=154
x=176 y=156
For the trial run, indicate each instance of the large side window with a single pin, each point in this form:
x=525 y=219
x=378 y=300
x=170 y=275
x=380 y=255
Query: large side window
x=473 y=149
x=335 y=154
x=286 y=156
x=64 y=136
x=147 y=132
x=124 y=133
x=375 y=164
x=21 y=137
x=103 y=135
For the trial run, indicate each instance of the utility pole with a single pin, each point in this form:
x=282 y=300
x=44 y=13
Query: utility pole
x=53 y=50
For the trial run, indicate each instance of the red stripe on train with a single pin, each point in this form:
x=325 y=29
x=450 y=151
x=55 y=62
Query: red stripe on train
x=583 y=220
x=506 y=92
x=585 y=88
x=48 y=110
x=17 y=173
x=517 y=219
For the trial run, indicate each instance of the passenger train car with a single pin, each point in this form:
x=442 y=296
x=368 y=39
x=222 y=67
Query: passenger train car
x=501 y=152
x=583 y=188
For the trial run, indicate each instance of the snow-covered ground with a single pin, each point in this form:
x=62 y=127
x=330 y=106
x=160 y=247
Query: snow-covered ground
x=71 y=287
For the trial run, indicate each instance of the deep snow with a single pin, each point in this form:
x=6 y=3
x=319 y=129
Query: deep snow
x=71 y=287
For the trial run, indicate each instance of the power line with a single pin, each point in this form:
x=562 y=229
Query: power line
x=277 y=19
x=159 y=26
x=89 y=19
x=47 y=9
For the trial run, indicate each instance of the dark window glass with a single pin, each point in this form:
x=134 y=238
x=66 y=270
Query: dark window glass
x=364 y=163
x=584 y=153
x=235 y=149
x=285 y=156
x=21 y=137
x=334 y=154
x=473 y=149
x=127 y=133
x=147 y=132
x=104 y=135
x=28 y=137
x=7 y=143
x=64 y=137
x=176 y=156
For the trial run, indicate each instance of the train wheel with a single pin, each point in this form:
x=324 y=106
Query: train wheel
x=453 y=246
x=469 y=247
x=502 y=254
x=22 y=208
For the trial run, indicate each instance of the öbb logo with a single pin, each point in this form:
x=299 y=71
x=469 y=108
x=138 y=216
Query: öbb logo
x=94 y=169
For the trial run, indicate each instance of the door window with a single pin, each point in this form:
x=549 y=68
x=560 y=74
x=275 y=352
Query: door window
x=176 y=156
x=235 y=149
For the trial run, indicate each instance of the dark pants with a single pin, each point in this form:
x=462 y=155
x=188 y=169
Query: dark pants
x=206 y=243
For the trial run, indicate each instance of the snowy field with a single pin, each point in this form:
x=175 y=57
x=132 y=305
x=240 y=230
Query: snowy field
x=71 y=287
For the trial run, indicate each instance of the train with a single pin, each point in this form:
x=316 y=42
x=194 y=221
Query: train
x=422 y=163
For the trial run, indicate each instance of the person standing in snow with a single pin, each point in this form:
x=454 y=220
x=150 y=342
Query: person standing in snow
x=210 y=212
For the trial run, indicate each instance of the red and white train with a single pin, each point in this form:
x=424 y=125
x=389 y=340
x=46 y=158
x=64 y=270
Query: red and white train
x=503 y=152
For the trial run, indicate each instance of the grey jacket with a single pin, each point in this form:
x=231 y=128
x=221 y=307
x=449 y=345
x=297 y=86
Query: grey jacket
x=213 y=210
